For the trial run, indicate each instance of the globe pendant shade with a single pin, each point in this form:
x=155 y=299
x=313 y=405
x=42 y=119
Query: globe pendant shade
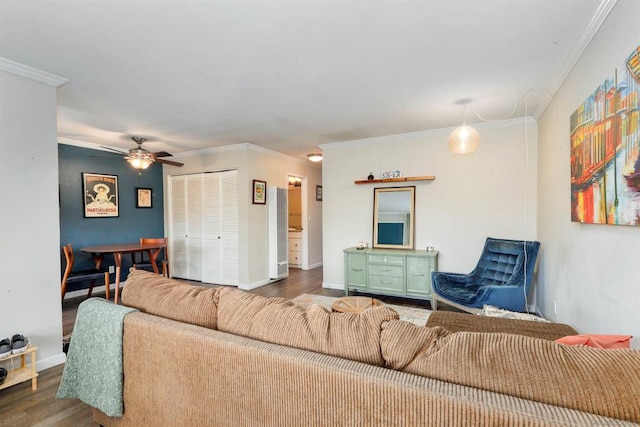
x=463 y=139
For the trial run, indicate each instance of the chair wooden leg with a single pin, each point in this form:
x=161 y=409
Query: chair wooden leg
x=63 y=289
x=106 y=285
x=91 y=285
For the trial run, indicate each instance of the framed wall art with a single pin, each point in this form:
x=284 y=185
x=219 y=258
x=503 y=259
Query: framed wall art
x=605 y=150
x=100 y=194
x=319 y=193
x=259 y=192
x=143 y=198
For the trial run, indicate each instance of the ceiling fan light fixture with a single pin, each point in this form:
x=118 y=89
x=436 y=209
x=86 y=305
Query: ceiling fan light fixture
x=315 y=157
x=140 y=158
x=140 y=163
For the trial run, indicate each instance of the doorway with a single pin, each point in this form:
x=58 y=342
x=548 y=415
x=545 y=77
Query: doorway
x=297 y=221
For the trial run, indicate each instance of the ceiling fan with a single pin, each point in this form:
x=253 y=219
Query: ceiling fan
x=140 y=158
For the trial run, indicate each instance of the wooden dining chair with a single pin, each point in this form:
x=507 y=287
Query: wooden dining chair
x=145 y=264
x=91 y=274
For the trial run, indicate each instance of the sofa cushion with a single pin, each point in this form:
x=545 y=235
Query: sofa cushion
x=279 y=321
x=173 y=299
x=459 y=322
x=401 y=341
x=604 y=382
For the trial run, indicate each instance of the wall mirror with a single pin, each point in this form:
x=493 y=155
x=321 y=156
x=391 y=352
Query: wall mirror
x=393 y=217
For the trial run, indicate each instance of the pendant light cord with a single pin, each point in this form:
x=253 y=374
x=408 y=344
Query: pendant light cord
x=523 y=97
x=526 y=179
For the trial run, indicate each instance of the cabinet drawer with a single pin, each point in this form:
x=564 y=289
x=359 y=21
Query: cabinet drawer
x=386 y=283
x=295 y=257
x=386 y=270
x=386 y=259
x=295 y=244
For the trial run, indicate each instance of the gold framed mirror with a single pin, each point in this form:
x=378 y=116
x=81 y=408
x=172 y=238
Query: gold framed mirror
x=393 y=217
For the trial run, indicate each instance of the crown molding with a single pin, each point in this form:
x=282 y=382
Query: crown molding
x=31 y=73
x=574 y=56
x=85 y=144
x=244 y=146
x=442 y=131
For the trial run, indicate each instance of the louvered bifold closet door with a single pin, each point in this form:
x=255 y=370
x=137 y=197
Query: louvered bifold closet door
x=204 y=227
x=178 y=226
x=194 y=225
x=211 y=237
x=230 y=229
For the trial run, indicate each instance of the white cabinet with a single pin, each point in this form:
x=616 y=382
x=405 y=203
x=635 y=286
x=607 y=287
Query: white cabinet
x=295 y=249
x=204 y=227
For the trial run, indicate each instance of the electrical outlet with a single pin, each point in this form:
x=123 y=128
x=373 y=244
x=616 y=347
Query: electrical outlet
x=112 y=269
x=555 y=307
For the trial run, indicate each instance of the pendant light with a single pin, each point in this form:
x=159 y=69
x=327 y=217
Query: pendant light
x=464 y=139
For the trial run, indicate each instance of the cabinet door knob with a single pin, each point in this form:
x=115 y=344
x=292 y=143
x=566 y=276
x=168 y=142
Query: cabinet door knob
x=357 y=269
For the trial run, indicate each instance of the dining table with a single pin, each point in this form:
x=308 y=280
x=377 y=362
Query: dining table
x=117 y=249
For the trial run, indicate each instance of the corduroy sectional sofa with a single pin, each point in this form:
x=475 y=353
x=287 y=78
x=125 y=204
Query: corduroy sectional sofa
x=197 y=356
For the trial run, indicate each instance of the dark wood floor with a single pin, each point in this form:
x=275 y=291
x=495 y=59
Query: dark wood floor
x=20 y=406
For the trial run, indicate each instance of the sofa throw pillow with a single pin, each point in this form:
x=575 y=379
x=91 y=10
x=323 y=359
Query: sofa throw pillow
x=597 y=341
x=173 y=299
x=280 y=321
x=491 y=311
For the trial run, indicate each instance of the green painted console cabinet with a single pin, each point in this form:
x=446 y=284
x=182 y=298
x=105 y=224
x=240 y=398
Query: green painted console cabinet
x=395 y=272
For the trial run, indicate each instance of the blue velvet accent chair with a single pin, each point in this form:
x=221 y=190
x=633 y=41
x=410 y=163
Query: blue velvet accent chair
x=498 y=279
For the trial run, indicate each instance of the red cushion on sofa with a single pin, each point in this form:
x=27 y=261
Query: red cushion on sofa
x=598 y=341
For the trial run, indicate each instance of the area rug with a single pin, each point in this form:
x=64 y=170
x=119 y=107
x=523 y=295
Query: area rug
x=415 y=315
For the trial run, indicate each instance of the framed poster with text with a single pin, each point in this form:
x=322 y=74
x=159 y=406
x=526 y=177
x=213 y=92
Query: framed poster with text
x=100 y=195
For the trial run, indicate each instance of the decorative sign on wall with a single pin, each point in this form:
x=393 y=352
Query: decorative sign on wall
x=605 y=150
x=396 y=173
x=100 y=195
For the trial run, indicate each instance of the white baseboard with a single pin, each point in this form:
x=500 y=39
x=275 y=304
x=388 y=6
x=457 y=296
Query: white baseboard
x=312 y=266
x=249 y=286
x=50 y=362
x=339 y=286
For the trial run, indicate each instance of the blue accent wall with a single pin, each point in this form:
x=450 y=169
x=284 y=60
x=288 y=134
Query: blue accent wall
x=132 y=223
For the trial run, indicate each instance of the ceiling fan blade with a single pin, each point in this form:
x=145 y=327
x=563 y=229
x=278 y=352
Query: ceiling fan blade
x=162 y=154
x=169 y=162
x=113 y=149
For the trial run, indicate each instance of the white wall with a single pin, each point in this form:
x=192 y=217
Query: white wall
x=491 y=192
x=254 y=162
x=29 y=228
x=592 y=272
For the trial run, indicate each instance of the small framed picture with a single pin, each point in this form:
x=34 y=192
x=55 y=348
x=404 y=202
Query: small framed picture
x=259 y=192
x=143 y=198
x=319 y=193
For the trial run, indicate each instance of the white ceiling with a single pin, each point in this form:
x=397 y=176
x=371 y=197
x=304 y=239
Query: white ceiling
x=290 y=75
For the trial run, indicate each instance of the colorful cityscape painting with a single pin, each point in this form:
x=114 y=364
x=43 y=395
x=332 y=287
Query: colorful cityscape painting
x=605 y=150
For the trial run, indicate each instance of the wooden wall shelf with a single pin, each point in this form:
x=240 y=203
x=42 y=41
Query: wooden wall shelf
x=403 y=179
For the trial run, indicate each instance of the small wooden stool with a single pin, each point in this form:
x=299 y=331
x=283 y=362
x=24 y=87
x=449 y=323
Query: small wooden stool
x=355 y=304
